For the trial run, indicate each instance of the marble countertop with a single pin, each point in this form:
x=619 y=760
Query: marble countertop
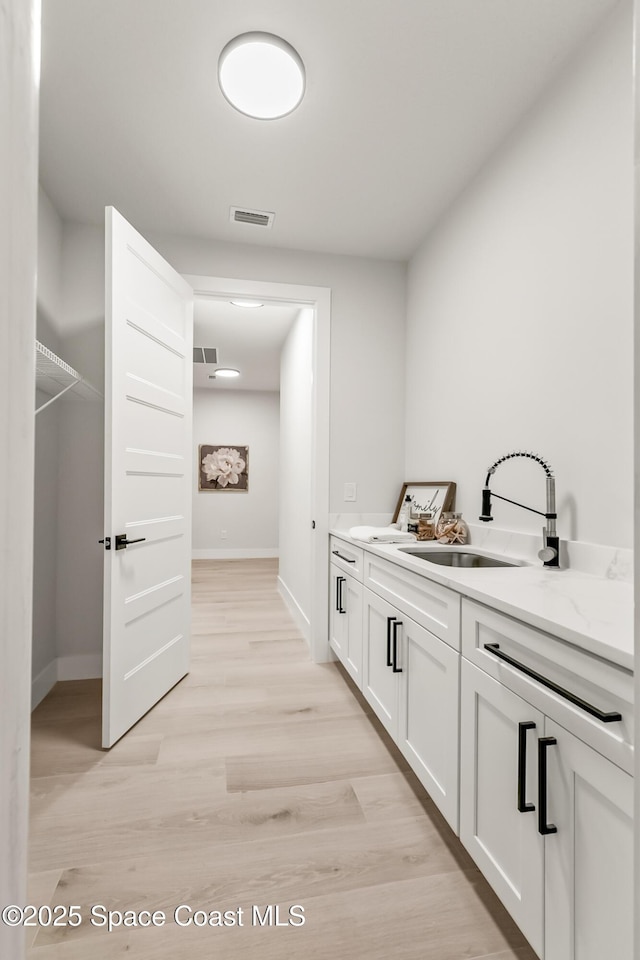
x=591 y=612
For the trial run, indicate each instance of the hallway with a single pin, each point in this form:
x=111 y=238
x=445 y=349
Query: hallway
x=260 y=779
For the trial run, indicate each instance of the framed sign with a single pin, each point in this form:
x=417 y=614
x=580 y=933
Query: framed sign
x=427 y=497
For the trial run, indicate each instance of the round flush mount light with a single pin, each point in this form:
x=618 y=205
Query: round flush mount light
x=226 y=372
x=249 y=304
x=261 y=75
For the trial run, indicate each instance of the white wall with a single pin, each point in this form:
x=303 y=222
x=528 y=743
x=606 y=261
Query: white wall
x=81 y=462
x=367 y=330
x=519 y=330
x=296 y=370
x=19 y=69
x=248 y=418
x=367 y=348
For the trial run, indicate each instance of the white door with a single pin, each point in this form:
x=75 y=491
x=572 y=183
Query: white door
x=498 y=795
x=148 y=404
x=589 y=859
x=428 y=720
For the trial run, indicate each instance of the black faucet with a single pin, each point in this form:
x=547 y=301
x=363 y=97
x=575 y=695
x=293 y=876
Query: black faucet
x=550 y=553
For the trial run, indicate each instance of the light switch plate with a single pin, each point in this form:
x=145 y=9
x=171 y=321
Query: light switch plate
x=350 y=491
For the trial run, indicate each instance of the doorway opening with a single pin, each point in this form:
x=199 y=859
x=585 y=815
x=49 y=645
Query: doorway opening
x=302 y=494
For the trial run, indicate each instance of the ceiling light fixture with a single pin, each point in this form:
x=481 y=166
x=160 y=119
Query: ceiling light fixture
x=227 y=372
x=261 y=75
x=249 y=304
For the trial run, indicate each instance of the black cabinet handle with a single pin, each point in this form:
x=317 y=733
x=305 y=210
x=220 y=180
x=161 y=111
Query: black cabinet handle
x=543 y=827
x=606 y=717
x=390 y=620
x=523 y=806
x=394 y=643
x=340 y=581
x=346 y=559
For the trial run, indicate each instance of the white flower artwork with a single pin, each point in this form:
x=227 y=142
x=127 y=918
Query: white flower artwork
x=223 y=468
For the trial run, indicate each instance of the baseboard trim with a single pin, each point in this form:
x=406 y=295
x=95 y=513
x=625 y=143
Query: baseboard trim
x=241 y=553
x=43 y=683
x=296 y=611
x=84 y=666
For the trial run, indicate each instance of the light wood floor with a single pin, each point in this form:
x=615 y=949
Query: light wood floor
x=260 y=779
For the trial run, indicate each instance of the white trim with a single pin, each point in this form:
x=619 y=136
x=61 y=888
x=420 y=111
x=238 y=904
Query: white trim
x=43 y=683
x=241 y=553
x=296 y=611
x=319 y=298
x=19 y=94
x=81 y=666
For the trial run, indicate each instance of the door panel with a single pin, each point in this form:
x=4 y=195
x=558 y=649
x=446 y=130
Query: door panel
x=503 y=841
x=352 y=593
x=337 y=617
x=429 y=715
x=379 y=682
x=148 y=401
x=589 y=861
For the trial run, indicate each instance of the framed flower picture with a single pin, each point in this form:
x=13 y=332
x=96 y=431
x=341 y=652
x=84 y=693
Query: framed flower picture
x=427 y=497
x=223 y=468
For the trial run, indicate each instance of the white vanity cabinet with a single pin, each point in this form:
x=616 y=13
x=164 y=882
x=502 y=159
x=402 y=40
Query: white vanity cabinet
x=345 y=611
x=411 y=678
x=546 y=815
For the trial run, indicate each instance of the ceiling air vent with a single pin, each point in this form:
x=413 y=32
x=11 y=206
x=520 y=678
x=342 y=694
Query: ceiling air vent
x=258 y=218
x=205 y=355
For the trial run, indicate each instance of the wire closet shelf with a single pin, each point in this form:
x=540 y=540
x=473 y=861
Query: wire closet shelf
x=54 y=377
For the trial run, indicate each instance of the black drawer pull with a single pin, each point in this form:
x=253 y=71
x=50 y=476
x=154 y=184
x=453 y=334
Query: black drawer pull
x=390 y=620
x=394 y=644
x=340 y=581
x=346 y=559
x=523 y=806
x=606 y=717
x=543 y=827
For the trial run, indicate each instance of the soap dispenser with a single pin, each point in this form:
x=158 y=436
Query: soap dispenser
x=404 y=514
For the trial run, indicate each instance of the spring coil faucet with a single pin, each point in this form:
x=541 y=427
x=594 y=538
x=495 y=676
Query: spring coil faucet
x=550 y=553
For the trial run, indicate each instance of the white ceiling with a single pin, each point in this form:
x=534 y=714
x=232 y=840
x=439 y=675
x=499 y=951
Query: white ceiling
x=248 y=339
x=405 y=100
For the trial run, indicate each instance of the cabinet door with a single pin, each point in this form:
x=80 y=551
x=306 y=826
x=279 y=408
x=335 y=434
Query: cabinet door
x=352 y=642
x=497 y=755
x=379 y=681
x=337 y=612
x=589 y=860
x=428 y=717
